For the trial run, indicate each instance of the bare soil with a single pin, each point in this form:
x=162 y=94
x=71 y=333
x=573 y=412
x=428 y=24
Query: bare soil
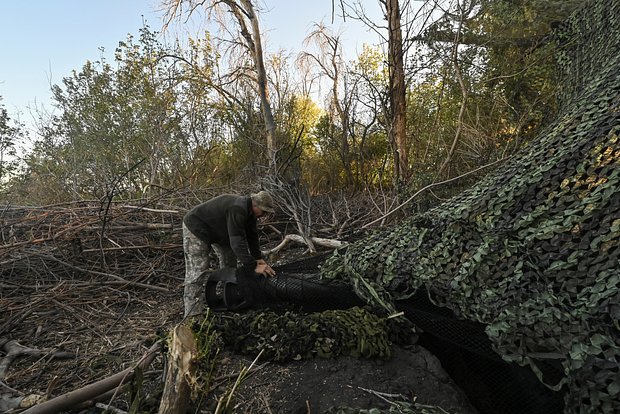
x=314 y=386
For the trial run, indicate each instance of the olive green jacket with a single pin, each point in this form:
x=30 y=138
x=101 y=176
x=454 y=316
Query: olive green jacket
x=227 y=220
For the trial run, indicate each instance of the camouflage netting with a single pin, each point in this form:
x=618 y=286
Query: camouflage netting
x=531 y=251
x=284 y=337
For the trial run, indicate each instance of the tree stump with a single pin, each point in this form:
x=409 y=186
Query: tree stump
x=180 y=372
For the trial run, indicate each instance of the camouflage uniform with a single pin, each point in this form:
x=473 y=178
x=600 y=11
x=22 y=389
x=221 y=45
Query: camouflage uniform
x=225 y=223
x=196 y=262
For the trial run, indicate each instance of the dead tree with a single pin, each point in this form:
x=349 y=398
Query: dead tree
x=330 y=63
x=245 y=16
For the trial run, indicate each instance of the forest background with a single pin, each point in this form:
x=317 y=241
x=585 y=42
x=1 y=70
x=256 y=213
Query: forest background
x=451 y=89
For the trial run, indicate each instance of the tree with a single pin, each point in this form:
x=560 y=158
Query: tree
x=246 y=18
x=503 y=44
x=370 y=119
x=9 y=136
x=118 y=130
x=397 y=88
x=329 y=61
x=462 y=84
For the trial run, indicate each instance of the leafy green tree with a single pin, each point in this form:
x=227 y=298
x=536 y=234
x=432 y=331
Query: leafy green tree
x=9 y=137
x=375 y=151
x=398 y=20
x=119 y=130
x=509 y=62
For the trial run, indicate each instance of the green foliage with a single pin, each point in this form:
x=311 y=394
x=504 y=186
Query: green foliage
x=208 y=346
x=367 y=162
x=509 y=83
x=291 y=335
x=161 y=118
x=521 y=67
x=113 y=123
x=135 y=129
x=9 y=137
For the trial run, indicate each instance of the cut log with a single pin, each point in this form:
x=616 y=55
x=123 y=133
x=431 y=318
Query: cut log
x=181 y=370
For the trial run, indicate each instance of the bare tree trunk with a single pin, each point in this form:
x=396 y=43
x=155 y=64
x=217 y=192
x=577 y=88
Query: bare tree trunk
x=459 y=75
x=255 y=45
x=243 y=12
x=397 y=90
x=345 y=150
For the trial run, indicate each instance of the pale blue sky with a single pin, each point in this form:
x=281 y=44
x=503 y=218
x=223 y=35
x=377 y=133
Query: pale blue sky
x=42 y=41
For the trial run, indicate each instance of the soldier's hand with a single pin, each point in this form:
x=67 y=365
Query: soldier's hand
x=264 y=269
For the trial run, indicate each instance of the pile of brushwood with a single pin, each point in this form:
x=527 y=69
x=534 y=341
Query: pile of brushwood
x=91 y=283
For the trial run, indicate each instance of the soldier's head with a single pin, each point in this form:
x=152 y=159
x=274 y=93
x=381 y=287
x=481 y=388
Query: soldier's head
x=262 y=203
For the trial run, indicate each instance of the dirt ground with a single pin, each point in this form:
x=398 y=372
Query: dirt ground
x=314 y=386
x=62 y=292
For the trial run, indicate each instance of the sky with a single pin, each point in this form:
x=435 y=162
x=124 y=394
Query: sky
x=43 y=41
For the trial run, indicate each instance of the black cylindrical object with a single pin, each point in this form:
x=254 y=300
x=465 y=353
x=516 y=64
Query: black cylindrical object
x=234 y=289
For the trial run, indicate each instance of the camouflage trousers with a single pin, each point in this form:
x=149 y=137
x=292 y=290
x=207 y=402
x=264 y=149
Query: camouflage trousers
x=196 y=263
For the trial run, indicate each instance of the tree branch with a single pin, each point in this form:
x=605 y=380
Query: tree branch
x=66 y=401
x=429 y=187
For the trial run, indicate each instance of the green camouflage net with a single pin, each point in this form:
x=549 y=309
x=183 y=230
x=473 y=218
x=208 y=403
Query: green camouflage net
x=287 y=336
x=533 y=250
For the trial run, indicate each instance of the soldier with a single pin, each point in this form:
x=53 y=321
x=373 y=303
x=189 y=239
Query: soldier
x=228 y=224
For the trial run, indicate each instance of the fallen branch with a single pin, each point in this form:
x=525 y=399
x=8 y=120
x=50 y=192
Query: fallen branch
x=13 y=399
x=333 y=244
x=66 y=401
x=152 y=210
x=146 y=246
x=94 y=272
x=6 y=327
x=133 y=227
x=14 y=350
x=108 y=395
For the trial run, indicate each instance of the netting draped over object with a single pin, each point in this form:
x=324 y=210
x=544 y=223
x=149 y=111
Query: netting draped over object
x=533 y=250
